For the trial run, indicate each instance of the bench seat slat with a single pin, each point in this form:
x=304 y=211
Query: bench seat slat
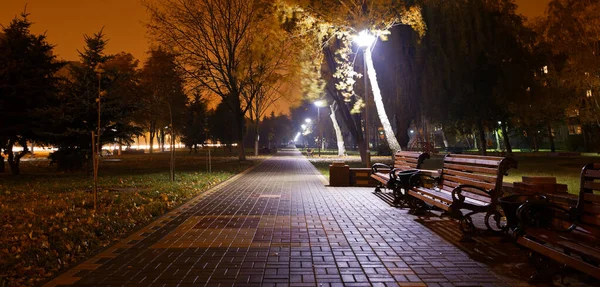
x=590 y=219
x=445 y=196
x=433 y=201
x=559 y=256
x=565 y=240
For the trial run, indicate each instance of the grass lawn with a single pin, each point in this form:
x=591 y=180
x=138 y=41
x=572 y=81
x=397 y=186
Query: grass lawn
x=566 y=169
x=47 y=222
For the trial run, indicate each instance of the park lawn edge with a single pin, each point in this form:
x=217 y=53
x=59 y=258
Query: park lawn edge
x=45 y=245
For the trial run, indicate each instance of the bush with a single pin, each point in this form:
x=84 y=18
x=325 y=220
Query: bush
x=68 y=159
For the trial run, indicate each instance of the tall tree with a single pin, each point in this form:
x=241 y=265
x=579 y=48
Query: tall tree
x=468 y=79
x=222 y=127
x=194 y=130
x=101 y=87
x=28 y=82
x=334 y=25
x=571 y=27
x=163 y=94
x=211 y=38
x=270 y=61
x=163 y=85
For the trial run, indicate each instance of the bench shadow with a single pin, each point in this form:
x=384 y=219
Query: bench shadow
x=386 y=196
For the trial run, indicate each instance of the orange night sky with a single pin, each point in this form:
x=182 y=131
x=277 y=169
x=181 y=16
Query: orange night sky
x=65 y=22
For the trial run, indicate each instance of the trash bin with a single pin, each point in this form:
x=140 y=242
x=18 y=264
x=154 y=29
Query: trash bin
x=339 y=174
x=510 y=204
x=403 y=179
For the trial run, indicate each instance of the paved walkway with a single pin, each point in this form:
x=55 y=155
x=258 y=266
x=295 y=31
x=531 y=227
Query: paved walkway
x=279 y=225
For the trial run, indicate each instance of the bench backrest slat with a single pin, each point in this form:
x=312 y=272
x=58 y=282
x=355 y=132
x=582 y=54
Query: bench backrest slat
x=591 y=185
x=470 y=181
x=476 y=161
x=477 y=169
x=482 y=177
x=405 y=160
x=588 y=204
x=485 y=172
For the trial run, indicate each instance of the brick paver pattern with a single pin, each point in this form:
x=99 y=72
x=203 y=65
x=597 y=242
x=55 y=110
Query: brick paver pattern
x=279 y=225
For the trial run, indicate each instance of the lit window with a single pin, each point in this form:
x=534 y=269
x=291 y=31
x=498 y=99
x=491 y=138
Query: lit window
x=588 y=93
x=572 y=113
x=574 y=129
x=545 y=69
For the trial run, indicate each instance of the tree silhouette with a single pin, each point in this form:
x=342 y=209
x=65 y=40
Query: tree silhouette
x=28 y=82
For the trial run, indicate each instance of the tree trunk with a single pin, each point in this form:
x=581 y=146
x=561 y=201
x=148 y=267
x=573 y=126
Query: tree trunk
x=256 y=137
x=152 y=135
x=15 y=160
x=468 y=141
x=551 y=137
x=352 y=124
x=383 y=118
x=444 y=139
x=241 y=121
x=482 y=141
x=505 y=137
x=338 y=132
x=162 y=140
x=172 y=143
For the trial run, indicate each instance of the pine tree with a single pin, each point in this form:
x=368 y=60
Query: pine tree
x=28 y=82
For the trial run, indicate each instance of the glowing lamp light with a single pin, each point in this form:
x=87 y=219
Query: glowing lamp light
x=320 y=103
x=308 y=120
x=303 y=126
x=364 y=39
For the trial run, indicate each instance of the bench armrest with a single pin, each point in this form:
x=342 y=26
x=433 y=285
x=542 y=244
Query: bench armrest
x=538 y=214
x=379 y=165
x=457 y=192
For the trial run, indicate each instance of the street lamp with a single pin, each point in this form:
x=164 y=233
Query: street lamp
x=365 y=39
x=319 y=104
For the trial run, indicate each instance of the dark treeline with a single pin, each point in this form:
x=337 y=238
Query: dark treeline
x=482 y=69
x=49 y=102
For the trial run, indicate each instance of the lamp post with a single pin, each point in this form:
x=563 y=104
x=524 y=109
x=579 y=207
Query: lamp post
x=365 y=39
x=319 y=104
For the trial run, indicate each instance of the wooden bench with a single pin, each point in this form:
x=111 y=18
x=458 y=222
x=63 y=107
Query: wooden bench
x=569 y=236
x=468 y=184
x=387 y=176
x=309 y=152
